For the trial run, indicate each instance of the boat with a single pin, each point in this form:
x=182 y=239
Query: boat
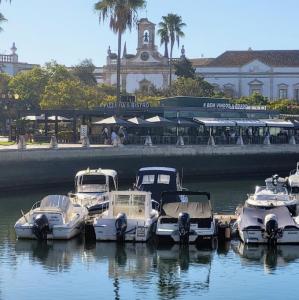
x=267 y=226
x=92 y=187
x=293 y=181
x=157 y=180
x=274 y=194
x=186 y=222
x=130 y=217
x=54 y=217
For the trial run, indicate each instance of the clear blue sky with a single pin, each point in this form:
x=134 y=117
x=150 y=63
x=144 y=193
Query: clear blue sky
x=68 y=30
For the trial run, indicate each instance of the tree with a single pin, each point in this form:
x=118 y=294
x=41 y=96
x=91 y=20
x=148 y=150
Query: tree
x=30 y=85
x=65 y=94
x=4 y=82
x=171 y=29
x=57 y=72
x=2 y=19
x=85 y=72
x=254 y=99
x=184 y=68
x=122 y=15
x=197 y=87
x=164 y=37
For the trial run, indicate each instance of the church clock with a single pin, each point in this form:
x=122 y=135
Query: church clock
x=144 y=56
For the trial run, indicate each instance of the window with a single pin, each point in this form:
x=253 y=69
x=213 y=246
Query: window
x=93 y=179
x=283 y=93
x=163 y=179
x=148 y=179
x=256 y=91
x=296 y=94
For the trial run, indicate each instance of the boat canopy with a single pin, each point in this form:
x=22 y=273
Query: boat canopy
x=105 y=172
x=194 y=209
x=56 y=202
x=251 y=216
x=213 y=122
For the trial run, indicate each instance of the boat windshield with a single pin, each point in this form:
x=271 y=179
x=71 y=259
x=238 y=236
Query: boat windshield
x=278 y=189
x=56 y=201
x=92 y=183
x=131 y=205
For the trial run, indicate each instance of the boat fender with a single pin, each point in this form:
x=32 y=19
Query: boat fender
x=184 y=227
x=121 y=226
x=41 y=227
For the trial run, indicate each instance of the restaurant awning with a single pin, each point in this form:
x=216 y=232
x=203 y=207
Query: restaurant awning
x=184 y=123
x=296 y=124
x=213 y=122
x=139 y=122
x=278 y=123
x=250 y=123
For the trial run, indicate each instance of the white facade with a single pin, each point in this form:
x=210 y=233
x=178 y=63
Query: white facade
x=274 y=82
x=10 y=63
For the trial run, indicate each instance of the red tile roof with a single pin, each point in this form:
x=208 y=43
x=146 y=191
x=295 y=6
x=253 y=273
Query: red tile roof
x=275 y=58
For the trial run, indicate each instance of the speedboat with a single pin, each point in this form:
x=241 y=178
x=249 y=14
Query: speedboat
x=92 y=188
x=293 y=181
x=274 y=194
x=54 y=217
x=186 y=222
x=268 y=226
x=130 y=217
x=157 y=180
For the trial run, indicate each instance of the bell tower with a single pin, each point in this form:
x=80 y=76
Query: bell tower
x=146 y=35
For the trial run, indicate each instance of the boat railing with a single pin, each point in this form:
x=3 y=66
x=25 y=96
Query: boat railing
x=35 y=205
x=293 y=172
x=155 y=205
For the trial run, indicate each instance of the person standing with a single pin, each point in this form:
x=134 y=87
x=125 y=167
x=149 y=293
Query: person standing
x=105 y=134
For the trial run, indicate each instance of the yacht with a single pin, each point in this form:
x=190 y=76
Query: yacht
x=186 y=222
x=268 y=226
x=54 y=217
x=157 y=180
x=274 y=194
x=130 y=217
x=92 y=188
x=293 y=181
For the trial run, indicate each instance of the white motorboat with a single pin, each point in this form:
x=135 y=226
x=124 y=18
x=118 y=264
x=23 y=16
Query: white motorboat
x=157 y=180
x=268 y=226
x=274 y=194
x=293 y=181
x=186 y=222
x=92 y=188
x=54 y=217
x=130 y=217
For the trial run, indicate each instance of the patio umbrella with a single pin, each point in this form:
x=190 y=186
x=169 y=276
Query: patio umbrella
x=157 y=120
x=112 y=121
x=59 y=119
x=140 y=122
x=184 y=123
x=34 y=118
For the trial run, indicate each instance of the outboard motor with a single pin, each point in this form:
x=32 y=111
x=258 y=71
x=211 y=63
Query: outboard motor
x=121 y=226
x=272 y=231
x=184 y=227
x=41 y=227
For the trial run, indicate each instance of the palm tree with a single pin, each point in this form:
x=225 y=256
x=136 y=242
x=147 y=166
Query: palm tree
x=171 y=31
x=2 y=19
x=122 y=15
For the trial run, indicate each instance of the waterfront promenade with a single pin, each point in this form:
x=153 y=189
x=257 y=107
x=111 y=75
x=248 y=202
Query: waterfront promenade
x=39 y=165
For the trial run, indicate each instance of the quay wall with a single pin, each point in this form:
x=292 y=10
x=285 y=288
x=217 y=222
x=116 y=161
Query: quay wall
x=45 y=167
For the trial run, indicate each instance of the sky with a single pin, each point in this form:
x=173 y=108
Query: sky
x=68 y=31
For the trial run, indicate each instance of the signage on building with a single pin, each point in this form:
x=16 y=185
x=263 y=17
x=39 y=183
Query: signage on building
x=233 y=106
x=127 y=105
x=128 y=98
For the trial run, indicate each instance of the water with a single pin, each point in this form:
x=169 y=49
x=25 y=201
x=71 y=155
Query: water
x=76 y=270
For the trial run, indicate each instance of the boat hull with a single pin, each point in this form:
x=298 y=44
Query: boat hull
x=137 y=231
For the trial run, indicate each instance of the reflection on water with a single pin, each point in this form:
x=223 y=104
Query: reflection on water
x=78 y=270
x=270 y=258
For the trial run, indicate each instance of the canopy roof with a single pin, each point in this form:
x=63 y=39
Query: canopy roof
x=105 y=172
x=43 y=118
x=213 y=122
x=278 y=123
x=250 y=123
x=184 y=122
x=194 y=209
x=112 y=121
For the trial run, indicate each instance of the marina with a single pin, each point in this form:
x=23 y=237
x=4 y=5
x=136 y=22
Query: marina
x=141 y=270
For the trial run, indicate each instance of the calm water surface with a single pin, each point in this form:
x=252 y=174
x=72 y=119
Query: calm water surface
x=76 y=270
